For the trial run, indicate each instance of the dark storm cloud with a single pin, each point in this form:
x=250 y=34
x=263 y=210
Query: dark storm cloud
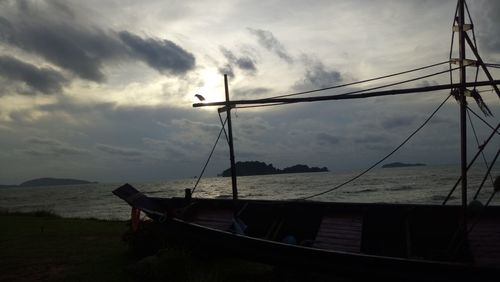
x=163 y=55
x=56 y=32
x=317 y=76
x=79 y=50
x=267 y=40
x=244 y=63
x=39 y=80
x=40 y=146
x=327 y=138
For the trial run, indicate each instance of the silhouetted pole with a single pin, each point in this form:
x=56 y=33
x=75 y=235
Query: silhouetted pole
x=230 y=141
x=463 y=109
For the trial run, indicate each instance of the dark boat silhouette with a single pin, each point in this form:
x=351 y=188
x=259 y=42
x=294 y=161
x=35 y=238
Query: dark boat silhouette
x=405 y=242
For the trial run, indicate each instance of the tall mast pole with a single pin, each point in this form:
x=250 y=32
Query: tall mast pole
x=230 y=141
x=463 y=109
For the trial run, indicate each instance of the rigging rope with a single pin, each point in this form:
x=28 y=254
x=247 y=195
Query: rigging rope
x=224 y=127
x=485 y=122
x=488 y=172
x=481 y=148
x=397 y=83
x=358 y=82
x=384 y=158
x=209 y=157
x=482 y=153
x=346 y=95
x=259 y=106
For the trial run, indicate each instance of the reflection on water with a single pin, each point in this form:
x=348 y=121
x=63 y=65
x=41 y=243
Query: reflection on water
x=419 y=185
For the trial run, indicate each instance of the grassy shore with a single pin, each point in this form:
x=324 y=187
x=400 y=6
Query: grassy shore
x=41 y=246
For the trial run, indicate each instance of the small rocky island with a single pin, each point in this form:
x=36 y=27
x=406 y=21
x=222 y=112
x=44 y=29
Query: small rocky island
x=47 y=181
x=261 y=168
x=398 y=164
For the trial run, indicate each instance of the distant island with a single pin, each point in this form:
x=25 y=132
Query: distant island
x=398 y=164
x=47 y=181
x=261 y=168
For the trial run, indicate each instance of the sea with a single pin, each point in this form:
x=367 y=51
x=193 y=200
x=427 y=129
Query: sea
x=417 y=185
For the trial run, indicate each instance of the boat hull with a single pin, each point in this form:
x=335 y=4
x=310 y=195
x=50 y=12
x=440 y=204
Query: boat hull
x=390 y=241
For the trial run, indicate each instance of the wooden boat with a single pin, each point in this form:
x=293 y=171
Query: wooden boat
x=395 y=241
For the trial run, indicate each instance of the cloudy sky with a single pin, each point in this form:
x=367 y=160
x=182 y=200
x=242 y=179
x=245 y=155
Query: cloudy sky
x=102 y=90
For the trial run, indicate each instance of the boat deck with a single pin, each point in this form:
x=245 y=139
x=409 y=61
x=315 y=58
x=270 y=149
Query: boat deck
x=340 y=232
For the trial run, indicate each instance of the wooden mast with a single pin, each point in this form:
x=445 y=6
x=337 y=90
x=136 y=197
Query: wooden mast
x=230 y=141
x=463 y=109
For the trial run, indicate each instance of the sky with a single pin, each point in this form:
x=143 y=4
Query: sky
x=103 y=90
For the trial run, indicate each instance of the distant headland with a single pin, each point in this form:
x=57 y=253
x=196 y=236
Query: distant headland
x=398 y=164
x=261 y=168
x=47 y=181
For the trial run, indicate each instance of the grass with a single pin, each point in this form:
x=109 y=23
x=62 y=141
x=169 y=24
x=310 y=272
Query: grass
x=41 y=246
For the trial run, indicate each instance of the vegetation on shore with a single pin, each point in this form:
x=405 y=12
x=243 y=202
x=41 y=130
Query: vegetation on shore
x=399 y=164
x=261 y=168
x=49 y=181
x=41 y=246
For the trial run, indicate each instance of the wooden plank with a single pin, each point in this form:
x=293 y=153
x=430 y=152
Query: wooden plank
x=217 y=219
x=341 y=229
x=484 y=242
x=340 y=232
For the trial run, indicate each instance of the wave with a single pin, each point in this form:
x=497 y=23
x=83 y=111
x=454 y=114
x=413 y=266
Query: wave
x=401 y=188
x=368 y=190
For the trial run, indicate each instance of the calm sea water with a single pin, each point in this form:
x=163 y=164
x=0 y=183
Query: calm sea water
x=421 y=185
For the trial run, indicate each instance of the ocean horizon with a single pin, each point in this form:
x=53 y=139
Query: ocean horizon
x=414 y=185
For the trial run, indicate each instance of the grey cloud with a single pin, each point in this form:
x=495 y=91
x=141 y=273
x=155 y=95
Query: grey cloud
x=163 y=55
x=67 y=105
x=41 y=80
x=427 y=83
x=370 y=139
x=379 y=147
x=64 y=39
x=79 y=50
x=317 y=76
x=170 y=149
x=227 y=69
x=489 y=22
x=185 y=123
x=399 y=121
x=244 y=63
x=114 y=150
x=51 y=147
x=228 y=54
x=327 y=138
x=253 y=127
x=42 y=141
x=268 y=41
x=250 y=92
